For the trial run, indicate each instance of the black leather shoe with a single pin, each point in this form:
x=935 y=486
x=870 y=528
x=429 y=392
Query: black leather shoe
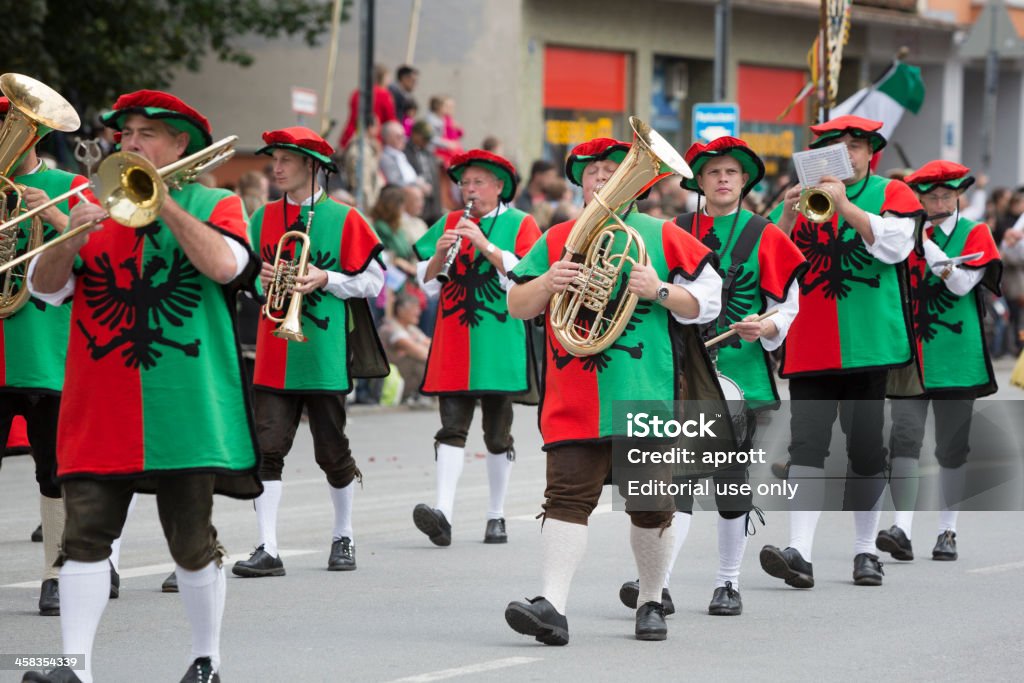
x=61 y=674
x=788 y=565
x=781 y=469
x=726 y=602
x=49 y=598
x=260 y=563
x=37 y=535
x=115 y=583
x=495 y=532
x=343 y=556
x=201 y=671
x=629 y=593
x=433 y=523
x=867 y=570
x=540 y=619
x=650 y=622
x=170 y=584
x=896 y=543
x=945 y=546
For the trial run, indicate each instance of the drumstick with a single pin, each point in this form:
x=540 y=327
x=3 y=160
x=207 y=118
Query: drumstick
x=725 y=335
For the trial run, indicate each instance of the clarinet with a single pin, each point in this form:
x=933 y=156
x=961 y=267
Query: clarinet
x=444 y=275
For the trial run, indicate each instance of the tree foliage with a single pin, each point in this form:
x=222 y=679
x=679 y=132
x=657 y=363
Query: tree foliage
x=91 y=51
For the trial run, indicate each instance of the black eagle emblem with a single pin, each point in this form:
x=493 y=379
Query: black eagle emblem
x=159 y=295
x=712 y=241
x=600 y=361
x=931 y=300
x=738 y=303
x=473 y=286
x=834 y=261
x=320 y=259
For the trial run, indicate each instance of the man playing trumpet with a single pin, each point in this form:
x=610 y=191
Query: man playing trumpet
x=478 y=352
x=852 y=328
x=154 y=399
x=316 y=374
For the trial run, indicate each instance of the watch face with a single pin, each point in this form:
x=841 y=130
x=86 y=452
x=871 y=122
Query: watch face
x=662 y=293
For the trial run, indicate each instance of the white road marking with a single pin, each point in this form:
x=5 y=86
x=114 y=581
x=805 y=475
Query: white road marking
x=444 y=674
x=997 y=568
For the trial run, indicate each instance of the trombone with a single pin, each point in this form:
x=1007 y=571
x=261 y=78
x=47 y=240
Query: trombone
x=131 y=190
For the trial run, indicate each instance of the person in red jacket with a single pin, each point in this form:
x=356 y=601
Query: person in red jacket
x=383 y=105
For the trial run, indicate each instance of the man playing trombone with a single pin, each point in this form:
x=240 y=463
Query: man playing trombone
x=315 y=373
x=153 y=398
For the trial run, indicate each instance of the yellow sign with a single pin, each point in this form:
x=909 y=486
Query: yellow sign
x=563 y=132
x=771 y=144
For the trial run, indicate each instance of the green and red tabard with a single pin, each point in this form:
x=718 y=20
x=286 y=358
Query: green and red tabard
x=341 y=241
x=580 y=392
x=951 y=348
x=769 y=270
x=852 y=317
x=478 y=348
x=154 y=380
x=34 y=341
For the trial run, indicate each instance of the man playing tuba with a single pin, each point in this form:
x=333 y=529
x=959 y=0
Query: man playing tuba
x=316 y=373
x=680 y=286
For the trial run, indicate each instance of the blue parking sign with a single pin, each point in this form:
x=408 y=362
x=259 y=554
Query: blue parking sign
x=715 y=119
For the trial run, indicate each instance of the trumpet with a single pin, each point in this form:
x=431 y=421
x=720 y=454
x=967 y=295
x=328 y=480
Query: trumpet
x=816 y=205
x=444 y=275
x=131 y=190
x=282 y=284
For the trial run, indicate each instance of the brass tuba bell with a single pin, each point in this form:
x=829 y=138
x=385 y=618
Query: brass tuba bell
x=580 y=318
x=36 y=109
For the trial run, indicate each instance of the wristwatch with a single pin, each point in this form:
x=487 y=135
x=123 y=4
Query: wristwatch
x=490 y=248
x=662 y=291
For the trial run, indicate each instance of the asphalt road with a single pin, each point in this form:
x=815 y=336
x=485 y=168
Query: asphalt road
x=413 y=612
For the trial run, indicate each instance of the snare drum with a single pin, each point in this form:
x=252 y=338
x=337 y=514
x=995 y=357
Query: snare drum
x=737 y=407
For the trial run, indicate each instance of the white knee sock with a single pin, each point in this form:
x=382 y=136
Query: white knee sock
x=266 y=515
x=904 y=484
x=202 y=593
x=806 y=507
x=681 y=523
x=499 y=467
x=563 y=545
x=84 y=592
x=952 y=484
x=342 y=499
x=51 y=512
x=450 y=460
x=115 y=547
x=652 y=550
x=732 y=543
x=866 y=491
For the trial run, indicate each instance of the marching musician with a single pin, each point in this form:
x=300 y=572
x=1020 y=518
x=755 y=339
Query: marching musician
x=679 y=288
x=852 y=328
x=314 y=374
x=154 y=399
x=952 y=360
x=478 y=352
x=35 y=341
x=761 y=269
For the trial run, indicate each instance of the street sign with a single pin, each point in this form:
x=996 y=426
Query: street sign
x=715 y=120
x=993 y=33
x=304 y=101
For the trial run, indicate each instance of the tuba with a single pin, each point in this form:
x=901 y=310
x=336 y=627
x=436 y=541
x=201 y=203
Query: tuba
x=580 y=315
x=131 y=190
x=35 y=110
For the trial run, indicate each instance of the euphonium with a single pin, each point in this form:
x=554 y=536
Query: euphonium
x=580 y=319
x=280 y=291
x=816 y=205
x=131 y=190
x=35 y=110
